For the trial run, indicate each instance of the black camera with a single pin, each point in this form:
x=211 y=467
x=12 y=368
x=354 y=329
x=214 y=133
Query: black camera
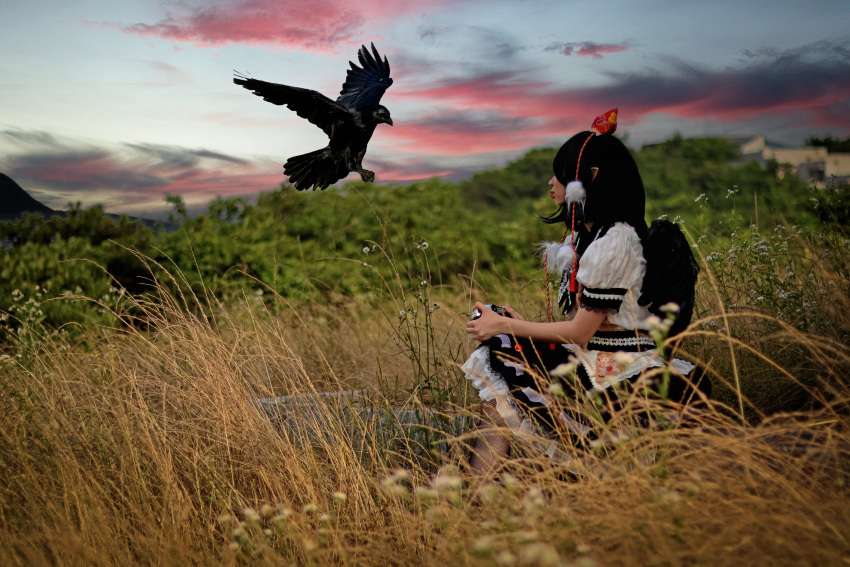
x=476 y=313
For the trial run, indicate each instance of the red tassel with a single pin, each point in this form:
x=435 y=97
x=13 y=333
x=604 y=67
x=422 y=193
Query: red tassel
x=573 y=287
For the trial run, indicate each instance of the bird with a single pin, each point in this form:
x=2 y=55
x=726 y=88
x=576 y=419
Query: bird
x=349 y=121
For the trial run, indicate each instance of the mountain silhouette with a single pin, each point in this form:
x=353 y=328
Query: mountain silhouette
x=14 y=201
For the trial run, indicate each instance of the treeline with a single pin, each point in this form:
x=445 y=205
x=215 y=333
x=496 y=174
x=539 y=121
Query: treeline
x=325 y=246
x=832 y=145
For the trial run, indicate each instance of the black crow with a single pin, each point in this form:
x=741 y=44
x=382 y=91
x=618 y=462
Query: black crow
x=349 y=121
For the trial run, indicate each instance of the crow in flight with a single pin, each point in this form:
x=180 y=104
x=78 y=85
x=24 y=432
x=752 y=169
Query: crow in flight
x=349 y=121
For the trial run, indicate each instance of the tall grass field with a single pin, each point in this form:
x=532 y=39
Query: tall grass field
x=166 y=401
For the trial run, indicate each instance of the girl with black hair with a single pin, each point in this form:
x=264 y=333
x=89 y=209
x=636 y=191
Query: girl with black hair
x=605 y=332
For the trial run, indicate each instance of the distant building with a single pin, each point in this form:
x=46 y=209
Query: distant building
x=811 y=164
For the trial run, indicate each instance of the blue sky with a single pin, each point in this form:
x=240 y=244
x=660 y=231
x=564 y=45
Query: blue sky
x=123 y=103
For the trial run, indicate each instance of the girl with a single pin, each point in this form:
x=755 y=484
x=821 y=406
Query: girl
x=606 y=331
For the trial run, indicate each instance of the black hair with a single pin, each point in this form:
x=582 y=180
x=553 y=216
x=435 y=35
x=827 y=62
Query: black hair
x=615 y=195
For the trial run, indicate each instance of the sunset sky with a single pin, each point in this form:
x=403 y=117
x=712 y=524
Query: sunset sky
x=124 y=102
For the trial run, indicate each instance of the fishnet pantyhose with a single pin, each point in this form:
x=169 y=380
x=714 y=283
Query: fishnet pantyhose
x=492 y=444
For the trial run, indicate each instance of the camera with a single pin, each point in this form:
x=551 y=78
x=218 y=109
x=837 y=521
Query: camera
x=476 y=313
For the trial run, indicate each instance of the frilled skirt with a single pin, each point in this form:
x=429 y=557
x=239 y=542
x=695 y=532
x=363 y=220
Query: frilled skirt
x=518 y=375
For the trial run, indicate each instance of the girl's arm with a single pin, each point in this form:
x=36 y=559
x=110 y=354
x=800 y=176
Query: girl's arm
x=577 y=331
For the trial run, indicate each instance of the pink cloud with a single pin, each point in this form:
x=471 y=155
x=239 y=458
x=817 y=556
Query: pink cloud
x=493 y=113
x=587 y=48
x=137 y=177
x=505 y=111
x=319 y=25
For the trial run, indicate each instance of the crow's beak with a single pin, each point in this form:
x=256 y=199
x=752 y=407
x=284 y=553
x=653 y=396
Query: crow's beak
x=390 y=121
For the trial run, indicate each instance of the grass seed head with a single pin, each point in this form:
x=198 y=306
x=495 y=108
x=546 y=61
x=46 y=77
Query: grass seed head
x=267 y=510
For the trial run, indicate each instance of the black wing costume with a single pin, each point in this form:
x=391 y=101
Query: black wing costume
x=349 y=121
x=671 y=273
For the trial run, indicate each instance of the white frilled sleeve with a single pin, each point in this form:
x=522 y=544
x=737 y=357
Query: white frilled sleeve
x=611 y=268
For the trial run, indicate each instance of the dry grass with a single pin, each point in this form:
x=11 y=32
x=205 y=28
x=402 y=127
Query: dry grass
x=148 y=448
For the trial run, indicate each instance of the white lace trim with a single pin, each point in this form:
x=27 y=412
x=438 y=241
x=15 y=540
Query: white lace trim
x=622 y=341
x=683 y=367
x=491 y=386
x=477 y=370
x=592 y=295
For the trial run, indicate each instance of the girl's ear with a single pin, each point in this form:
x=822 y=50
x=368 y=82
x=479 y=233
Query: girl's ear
x=593 y=172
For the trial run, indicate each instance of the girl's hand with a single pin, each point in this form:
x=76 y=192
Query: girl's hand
x=488 y=325
x=513 y=314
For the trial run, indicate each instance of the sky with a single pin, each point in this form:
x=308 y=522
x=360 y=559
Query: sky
x=122 y=103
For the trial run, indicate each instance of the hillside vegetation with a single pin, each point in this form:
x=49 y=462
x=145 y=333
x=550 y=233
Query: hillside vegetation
x=132 y=361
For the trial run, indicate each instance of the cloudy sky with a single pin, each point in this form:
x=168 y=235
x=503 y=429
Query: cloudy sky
x=122 y=103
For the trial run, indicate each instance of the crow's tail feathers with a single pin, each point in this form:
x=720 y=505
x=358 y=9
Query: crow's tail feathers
x=316 y=169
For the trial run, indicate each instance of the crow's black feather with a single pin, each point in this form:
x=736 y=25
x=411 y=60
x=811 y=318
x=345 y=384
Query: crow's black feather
x=349 y=121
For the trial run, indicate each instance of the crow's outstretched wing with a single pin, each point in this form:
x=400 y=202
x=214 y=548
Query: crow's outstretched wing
x=365 y=86
x=309 y=104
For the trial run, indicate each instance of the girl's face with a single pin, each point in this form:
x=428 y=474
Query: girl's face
x=557 y=191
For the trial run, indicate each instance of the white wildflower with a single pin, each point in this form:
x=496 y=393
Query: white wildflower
x=670 y=307
x=565 y=369
x=484 y=544
x=426 y=493
x=444 y=483
x=267 y=510
x=282 y=517
x=250 y=515
x=622 y=358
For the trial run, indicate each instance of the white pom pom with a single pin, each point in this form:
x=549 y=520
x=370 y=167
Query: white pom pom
x=575 y=193
x=560 y=256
